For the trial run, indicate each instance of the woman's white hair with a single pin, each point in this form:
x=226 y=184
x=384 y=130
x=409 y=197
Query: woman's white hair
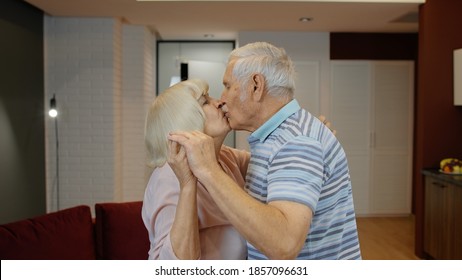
x=270 y=61
x=177 y=108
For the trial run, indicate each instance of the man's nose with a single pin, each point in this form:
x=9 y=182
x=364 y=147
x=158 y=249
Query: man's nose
x=218 y=103
x=223 y=107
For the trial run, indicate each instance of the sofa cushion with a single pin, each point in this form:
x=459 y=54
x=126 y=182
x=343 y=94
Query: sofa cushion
x=120 y=232
x=63 y=235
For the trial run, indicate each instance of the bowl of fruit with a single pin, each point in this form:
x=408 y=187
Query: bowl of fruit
x=451 y=166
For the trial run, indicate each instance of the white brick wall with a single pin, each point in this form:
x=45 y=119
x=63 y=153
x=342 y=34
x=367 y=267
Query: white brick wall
x=117 y=111
x=84 y=68
x=138 y=89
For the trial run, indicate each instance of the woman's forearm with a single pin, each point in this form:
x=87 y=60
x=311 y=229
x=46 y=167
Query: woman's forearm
x=184 y=234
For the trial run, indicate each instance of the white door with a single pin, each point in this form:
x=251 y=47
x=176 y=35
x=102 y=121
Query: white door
x=307 y=85
x=350 y=99
x=371 y=108
x=392 y=126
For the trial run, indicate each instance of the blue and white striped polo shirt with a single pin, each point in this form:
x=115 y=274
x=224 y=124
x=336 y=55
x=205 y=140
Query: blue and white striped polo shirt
x=294 y=157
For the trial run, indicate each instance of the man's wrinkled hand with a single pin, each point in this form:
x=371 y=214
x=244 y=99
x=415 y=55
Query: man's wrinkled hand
x=199 y=148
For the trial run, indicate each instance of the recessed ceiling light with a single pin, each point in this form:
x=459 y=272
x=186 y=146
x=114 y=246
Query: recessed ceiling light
x=305 y=19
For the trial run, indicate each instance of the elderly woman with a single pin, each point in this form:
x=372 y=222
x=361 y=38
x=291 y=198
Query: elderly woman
x=182 y=219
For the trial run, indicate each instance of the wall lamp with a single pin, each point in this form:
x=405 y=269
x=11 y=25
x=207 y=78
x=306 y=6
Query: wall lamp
x=53 y=112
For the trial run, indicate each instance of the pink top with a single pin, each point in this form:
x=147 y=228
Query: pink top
x=219 y=240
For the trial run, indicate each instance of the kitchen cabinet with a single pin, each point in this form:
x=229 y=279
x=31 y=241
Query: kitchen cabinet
x=442 y=216
x=457 y=216
x=372 y=110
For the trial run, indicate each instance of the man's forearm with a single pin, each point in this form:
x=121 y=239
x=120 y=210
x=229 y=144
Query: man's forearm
x=272 y=229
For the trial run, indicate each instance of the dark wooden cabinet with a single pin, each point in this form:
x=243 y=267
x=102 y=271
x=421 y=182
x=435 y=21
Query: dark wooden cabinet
x=443 y=219
x=456 y=252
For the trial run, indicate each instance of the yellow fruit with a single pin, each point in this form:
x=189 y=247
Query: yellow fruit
x=451 y=165
x=457 y=169
x=444 y=162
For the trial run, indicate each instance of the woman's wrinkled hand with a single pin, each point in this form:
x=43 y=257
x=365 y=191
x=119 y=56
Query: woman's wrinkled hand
x=327 y=123
x=178 y=161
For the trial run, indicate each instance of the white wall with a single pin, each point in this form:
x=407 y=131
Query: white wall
x=101 y=73
x=138 y=91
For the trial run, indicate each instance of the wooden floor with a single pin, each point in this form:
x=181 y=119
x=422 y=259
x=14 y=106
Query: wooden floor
x=387 y=238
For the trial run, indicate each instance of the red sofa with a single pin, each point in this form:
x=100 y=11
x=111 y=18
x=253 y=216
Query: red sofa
x=116 y=233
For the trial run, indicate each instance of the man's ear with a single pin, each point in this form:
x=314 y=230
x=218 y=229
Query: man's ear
x=258 y=86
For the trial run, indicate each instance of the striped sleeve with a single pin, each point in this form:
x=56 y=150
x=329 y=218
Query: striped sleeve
x=296 y=172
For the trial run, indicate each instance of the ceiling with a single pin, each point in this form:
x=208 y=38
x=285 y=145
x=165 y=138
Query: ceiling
x=222 y=20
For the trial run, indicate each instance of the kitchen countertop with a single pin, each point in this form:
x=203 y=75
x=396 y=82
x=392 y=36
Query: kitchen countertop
x=451 y=179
